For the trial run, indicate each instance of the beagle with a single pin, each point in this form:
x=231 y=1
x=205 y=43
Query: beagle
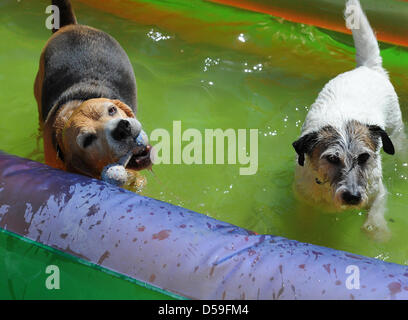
x=86 y=94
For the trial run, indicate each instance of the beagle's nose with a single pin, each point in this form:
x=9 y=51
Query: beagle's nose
x=122 y=130
x=351 y=198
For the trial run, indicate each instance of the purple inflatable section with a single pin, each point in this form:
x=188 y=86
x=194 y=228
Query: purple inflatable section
x=175 y=249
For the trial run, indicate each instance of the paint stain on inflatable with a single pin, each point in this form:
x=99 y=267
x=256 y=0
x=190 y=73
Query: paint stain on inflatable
x=103 y=257
x=280 y=292
x=302 y=266
x=164 y=234
x=141 y=229
x=316 y=253
x=293 y=289
x=92 y=210
x=353 y=256
x=152 y=277
x=327 y=267
x=394 y=287
x=212 y=270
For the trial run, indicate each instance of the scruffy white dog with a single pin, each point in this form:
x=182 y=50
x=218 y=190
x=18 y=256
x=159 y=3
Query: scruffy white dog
x=356 y=113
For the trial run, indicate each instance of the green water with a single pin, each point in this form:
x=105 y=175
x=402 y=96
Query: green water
x=190 y=66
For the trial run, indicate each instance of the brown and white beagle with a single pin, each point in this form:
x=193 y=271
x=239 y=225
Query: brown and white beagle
x=86 y=94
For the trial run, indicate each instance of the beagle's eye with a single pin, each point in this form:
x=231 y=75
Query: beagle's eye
x=362 y=158
x=112 y=111
x=89 y=139
x=333 y=159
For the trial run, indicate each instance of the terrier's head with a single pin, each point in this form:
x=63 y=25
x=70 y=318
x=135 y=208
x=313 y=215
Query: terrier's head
x=346 y=158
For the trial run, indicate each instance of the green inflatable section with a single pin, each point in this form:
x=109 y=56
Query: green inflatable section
x=23 y=275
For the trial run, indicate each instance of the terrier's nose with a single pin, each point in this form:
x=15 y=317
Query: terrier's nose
x=122 y=130
x=351 y=198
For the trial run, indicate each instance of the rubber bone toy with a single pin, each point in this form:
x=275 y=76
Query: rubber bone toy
x=115 y=173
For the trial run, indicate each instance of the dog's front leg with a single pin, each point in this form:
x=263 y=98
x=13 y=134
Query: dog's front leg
x=375 y=224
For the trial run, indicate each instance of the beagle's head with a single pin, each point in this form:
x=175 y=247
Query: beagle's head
x=98 y=132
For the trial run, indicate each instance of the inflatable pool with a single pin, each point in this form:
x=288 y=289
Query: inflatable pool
x=223 y=67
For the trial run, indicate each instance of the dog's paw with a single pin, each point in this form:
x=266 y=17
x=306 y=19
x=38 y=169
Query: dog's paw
x=377 y=231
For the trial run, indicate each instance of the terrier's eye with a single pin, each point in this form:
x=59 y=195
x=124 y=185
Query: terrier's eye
x=333 y=159
x=362 y=158
x=88 y=140
x=112 y=111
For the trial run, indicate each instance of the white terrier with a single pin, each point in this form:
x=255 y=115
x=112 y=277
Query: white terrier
x=339 y=162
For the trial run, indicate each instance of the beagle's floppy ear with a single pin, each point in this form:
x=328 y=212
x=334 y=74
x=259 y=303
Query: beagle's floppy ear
x=304 y=145
x=378 y=132
x=124 y=107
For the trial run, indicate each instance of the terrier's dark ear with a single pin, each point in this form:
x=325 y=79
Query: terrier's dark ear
x=304 y=145
x=378 y=132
